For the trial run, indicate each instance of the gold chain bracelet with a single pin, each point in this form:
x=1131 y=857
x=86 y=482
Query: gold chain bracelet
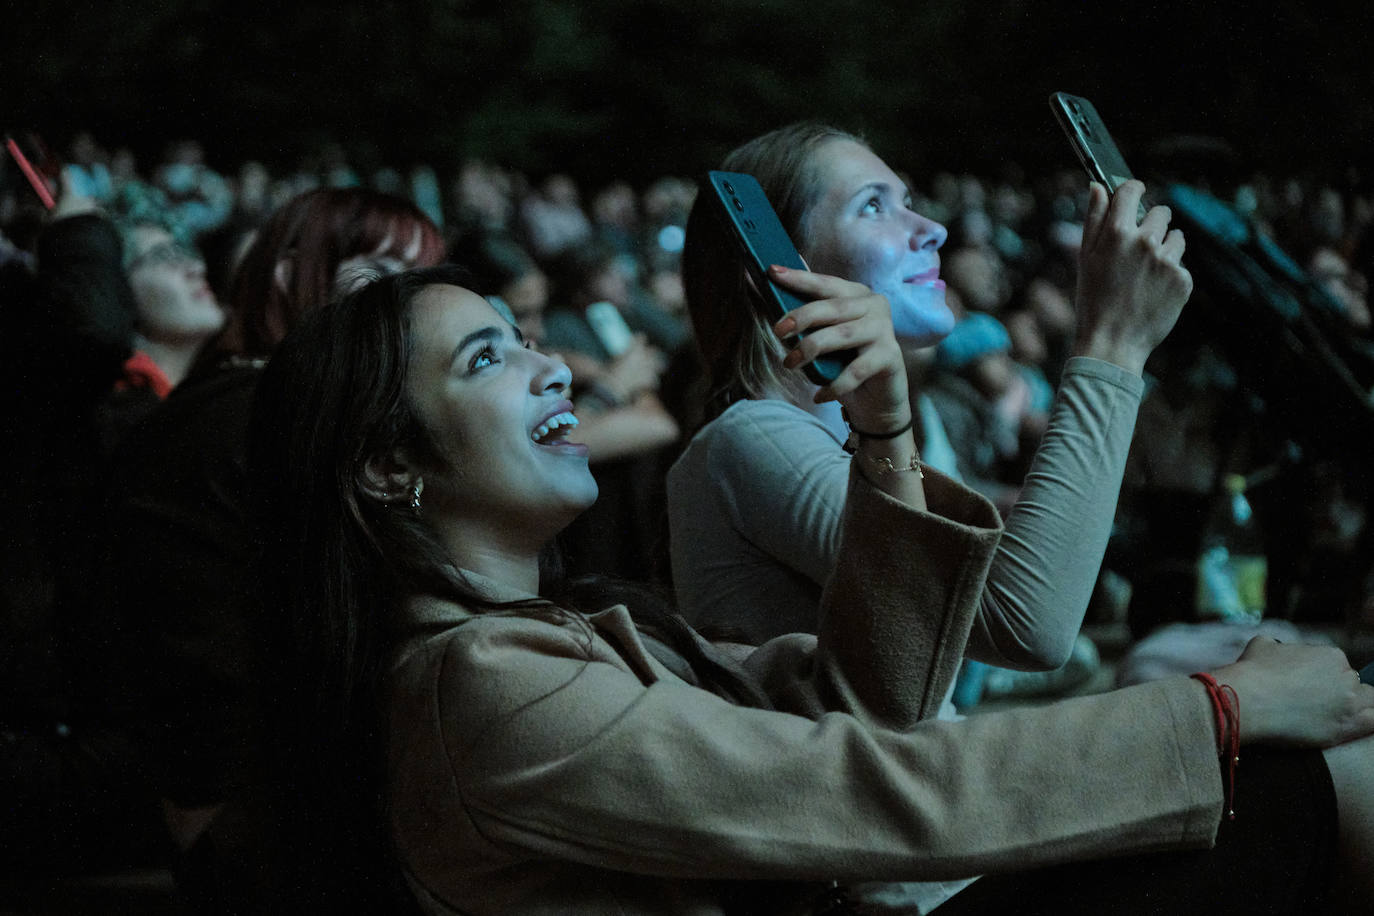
x=885 y=466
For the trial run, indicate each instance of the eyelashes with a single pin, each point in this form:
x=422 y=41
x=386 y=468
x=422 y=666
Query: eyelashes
x=482 y=359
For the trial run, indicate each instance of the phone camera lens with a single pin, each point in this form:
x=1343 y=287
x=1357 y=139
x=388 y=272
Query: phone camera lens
x=738 y=205
x=729 y=188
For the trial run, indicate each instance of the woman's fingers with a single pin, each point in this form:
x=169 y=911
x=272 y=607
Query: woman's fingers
x=1097 y=212
x=809 y=285
x=864 y=367
x=1156 y=223
x=1171 y=249
x=1131 y=282
x=1124 y=208
x=847 y=316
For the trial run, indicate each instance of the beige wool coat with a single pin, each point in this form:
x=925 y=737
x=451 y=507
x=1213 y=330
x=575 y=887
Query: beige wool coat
x=545 y=763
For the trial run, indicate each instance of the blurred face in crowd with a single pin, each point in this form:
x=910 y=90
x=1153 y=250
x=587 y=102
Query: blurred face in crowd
x=1347 y=285
x=862 y=227
x=498 y=416
x=1027 y=342
x=610 y=281
x=526 y=296
x=387 y=258
x=175 y=304
x=992 y=374
x=978 y=276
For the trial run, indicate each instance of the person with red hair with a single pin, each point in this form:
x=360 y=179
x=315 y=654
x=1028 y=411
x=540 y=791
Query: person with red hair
x=177 y=553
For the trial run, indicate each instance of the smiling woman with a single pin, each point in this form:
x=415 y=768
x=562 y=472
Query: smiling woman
x=756 y=499
x=449 y=721
x=494 y=459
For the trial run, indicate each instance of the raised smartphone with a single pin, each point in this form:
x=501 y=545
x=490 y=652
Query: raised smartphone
x=1088 y=135
x=738 y=199
x=610 y=327
x=38 y=165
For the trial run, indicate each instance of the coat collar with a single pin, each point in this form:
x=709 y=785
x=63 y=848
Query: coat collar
x=427 y=615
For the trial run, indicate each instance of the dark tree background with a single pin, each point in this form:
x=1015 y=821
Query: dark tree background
x=638 y=88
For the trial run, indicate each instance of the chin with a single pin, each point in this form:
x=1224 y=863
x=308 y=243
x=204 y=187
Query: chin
x=586 y=495
x=924 y=326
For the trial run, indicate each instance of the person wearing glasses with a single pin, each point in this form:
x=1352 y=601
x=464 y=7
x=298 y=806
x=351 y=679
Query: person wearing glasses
x=175 y=309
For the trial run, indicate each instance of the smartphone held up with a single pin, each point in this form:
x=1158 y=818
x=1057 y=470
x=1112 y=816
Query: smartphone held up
x=739 y=201
x=38 y=165
x=1088 y=135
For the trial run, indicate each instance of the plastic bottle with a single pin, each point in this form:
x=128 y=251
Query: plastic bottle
x=1232 y=567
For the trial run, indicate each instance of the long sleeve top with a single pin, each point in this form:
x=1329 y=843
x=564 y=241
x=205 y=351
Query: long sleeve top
x=755 y=503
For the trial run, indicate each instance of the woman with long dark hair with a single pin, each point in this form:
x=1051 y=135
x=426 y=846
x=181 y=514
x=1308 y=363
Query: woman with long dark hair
x=523 y=751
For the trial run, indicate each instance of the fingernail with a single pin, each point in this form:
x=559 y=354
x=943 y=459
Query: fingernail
x=785 y=327
x=791 y=360
x=777 y=269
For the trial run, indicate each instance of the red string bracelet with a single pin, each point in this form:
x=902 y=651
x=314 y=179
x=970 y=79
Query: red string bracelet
x=1226 y=705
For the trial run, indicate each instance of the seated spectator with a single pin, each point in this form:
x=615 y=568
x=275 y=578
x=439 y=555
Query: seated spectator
x=615 y=219
x=979 y=277
x=74 y=788
x=454 y=719
x=176 y=311
x=553 y=219
x=984 y=405
x=177 y=554
x=200 y=197
x=1330 y=270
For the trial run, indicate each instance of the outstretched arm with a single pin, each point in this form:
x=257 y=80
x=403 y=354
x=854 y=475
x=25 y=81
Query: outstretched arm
x=1131 y=290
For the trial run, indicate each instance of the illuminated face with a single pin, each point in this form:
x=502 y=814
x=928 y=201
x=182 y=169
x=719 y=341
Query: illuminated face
x=174 y=303
x=499 y=416
x=862 y=228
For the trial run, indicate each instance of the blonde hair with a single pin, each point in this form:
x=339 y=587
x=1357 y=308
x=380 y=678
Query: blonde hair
x=740 y=354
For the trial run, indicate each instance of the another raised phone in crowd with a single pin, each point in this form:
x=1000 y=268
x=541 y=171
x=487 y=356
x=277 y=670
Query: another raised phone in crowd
x=39 y=166
x=1088 y=135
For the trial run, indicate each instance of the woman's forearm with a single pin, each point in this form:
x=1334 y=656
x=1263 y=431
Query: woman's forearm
x=1046 y=566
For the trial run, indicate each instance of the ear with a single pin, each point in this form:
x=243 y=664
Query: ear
x=282 y=273
x=390 y=478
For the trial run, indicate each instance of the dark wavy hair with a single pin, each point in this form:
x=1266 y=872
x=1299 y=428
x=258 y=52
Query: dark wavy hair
x=336 y=564
x=739 y=352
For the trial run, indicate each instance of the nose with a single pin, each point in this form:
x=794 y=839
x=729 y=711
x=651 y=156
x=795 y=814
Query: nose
x=551 y=374
x=926 y=233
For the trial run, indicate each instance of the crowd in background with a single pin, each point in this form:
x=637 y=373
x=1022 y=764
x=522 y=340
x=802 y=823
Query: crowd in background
x=592 y=273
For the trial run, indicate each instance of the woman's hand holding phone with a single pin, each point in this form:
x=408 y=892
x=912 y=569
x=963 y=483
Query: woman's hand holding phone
x=1132 y=285
x=841 y=315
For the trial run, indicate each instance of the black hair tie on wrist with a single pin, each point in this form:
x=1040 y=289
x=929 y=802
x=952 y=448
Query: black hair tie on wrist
x=892 y=435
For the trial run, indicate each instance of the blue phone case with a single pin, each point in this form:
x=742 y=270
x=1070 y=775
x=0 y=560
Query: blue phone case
x=740 y=201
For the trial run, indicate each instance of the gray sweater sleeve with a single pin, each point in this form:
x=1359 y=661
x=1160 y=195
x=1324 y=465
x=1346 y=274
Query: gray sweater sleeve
x=1046 y=566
